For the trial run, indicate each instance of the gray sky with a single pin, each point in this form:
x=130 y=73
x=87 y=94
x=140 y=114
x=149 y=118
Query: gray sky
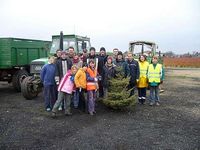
x=173 y=24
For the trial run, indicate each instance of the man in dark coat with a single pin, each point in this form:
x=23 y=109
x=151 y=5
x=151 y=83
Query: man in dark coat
x=102 y=58
x=62 y=66
x=132 y=71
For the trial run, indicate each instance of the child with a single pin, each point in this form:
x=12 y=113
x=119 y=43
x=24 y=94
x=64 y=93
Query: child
x=65 y=90
x=80 y=82
x=92 y=86
x=142 y=83
x=155 y=76
x=108 y=73
x=47 y=76
x=78 y=62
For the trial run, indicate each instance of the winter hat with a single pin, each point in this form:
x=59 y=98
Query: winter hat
x=102 y=49
x=120 y=53
x=109 y=57
x=92 y=48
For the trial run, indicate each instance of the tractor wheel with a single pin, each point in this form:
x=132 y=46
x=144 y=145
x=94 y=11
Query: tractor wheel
x=17 y=79
x=27 y=89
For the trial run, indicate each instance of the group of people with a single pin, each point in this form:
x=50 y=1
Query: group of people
x=77 y=80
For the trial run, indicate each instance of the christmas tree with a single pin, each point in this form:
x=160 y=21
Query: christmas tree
x=118 y=95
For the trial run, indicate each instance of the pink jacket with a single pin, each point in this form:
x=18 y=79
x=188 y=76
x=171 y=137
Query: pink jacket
x=66 y=85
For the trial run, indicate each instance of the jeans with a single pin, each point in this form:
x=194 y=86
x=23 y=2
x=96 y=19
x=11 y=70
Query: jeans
x=91 y=100
x=154 y=94
x=76 y=98
x=49 y=95
x=67 y=102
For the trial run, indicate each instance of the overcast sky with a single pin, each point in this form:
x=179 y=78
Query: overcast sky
x=173 y=24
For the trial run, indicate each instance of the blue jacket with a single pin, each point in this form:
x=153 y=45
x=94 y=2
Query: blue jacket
x=133 y=71
x=47 y=74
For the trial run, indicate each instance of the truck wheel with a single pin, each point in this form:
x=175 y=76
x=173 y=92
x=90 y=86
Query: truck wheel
x=17 y=79
x=27 y=88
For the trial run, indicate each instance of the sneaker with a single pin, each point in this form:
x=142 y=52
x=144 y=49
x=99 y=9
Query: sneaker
x=68 y=113
x=60 y=108
x=161 y=91
x=157 y=104
x=91 y=113
x=48 y=109
x=150 y=104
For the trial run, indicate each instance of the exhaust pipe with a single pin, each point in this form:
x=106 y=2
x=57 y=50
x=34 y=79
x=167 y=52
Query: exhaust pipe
x=61 y=40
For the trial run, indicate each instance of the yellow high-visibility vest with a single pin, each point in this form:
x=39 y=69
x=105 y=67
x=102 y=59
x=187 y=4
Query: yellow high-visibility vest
x=154 y=74
x=143 y=68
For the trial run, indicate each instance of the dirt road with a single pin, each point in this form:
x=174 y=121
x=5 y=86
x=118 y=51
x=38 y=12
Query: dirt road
x=173 y=125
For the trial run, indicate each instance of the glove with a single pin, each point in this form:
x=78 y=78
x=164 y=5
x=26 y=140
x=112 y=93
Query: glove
x=57 y=82
x=80 y=89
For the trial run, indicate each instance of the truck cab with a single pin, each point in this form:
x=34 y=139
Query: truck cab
x=32 y=85
x=144 y=48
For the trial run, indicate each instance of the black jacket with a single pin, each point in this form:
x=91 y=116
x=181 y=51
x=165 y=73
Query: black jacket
x=101 y=62
x=108 y=73
x=59 y=67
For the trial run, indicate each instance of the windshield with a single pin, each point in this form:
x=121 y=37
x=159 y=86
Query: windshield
x=66 y=44
x=83 y=45
x=137 y=49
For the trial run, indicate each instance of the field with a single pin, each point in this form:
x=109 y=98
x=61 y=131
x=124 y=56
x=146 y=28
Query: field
x=182 y=62
x=174 y=125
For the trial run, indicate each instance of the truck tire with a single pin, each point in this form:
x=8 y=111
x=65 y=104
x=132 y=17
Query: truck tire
x=17 y=79
x=27 y=89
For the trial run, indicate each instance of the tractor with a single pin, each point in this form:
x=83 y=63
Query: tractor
x=145 y=47
x=32 y=85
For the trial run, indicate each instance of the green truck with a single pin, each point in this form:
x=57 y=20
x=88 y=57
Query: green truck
x=32 y=85
x=16 y=55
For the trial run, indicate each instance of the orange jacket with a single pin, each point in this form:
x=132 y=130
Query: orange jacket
x=91 y=83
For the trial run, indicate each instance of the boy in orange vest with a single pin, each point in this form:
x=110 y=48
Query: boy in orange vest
x=92 y=85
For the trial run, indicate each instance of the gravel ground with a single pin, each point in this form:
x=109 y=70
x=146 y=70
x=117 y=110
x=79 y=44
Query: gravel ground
x=173 y=125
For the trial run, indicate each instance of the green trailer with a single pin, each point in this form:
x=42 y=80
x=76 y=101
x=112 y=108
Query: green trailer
x=16 y=54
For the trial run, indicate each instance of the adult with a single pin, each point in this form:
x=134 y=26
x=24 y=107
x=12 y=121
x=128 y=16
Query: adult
x=120 y=63
x=92 y=55
x=58 y=54
x=115 y=53
x=62 y=66
x=102 y=58
x=84 y=56
x=132 y=71
x=71 y=53
x=142 y=83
